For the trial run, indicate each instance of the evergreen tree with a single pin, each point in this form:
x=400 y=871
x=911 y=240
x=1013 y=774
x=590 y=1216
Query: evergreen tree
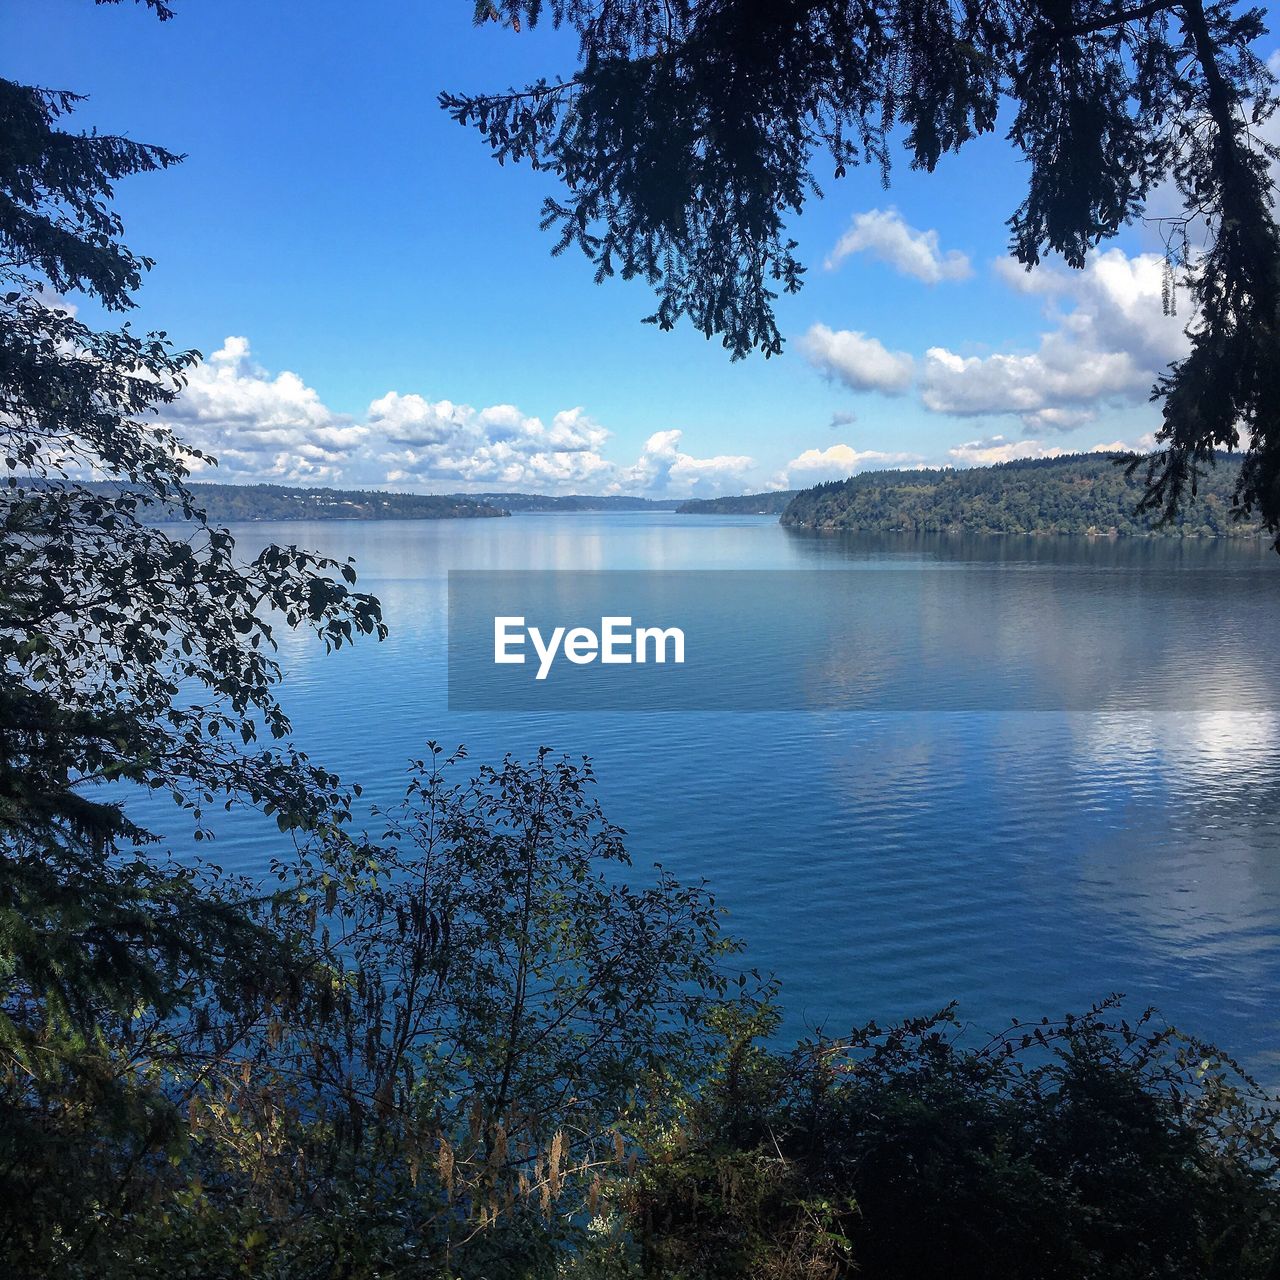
x=130 y=653
x=691 y=129
x=1083 y=493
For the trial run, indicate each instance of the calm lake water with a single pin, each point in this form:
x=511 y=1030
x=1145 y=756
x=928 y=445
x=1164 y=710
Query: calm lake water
x=883 y=863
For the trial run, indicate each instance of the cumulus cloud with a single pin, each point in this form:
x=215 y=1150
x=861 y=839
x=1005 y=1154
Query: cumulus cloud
x=440 y=442
x=859 y=362
x=835 y=463
x=261 y=426
x=884 y=235
x=1110 y=339
x=993 y=449
x=663 y=468
x=274 y=427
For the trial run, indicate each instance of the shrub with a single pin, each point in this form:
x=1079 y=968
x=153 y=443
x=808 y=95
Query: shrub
x=1086 y=1148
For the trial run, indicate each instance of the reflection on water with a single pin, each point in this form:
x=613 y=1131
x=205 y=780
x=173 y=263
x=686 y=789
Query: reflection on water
x=886 y=862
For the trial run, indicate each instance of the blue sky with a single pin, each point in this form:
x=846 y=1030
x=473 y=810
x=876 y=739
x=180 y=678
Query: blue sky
x=380 y=307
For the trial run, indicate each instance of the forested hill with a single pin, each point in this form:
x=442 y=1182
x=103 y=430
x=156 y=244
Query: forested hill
x=745 y=504
x=573 y=502
x=1083 y=493
x=228 y=503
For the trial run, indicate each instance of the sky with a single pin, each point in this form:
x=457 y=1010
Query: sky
x=377 y=306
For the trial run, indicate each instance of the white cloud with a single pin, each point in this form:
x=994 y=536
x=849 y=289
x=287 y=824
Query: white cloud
x=440 y=442
x=993 y=449
x=1036 y=387
x=497 y=465
x=1057 y=419
x=415 y=422
x=861 y=363
x=884 y=235
x=982 y=453
x=259 y=426
x=1115 y=303
x=274 y=427
x=835 y=463
x=662 y=468
x=1107 y=346
x=1143 y=444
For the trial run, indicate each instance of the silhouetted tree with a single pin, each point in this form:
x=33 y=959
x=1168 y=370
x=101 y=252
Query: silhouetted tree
x=128 y=654
x=691 y=129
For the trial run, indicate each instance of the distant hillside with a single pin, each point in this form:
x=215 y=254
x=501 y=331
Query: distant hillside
x=572 y=502
x=227 y=503
x=1084 y=493
x=745 y=504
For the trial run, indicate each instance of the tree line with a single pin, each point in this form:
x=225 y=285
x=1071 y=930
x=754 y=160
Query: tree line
x=755 y=504
x=235 y=503
x=1085 y=493
x=238 y=503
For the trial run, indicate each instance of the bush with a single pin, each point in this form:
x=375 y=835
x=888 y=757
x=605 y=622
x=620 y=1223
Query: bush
x=1088 y=1148
x=468 y=1018
x=464 y=1048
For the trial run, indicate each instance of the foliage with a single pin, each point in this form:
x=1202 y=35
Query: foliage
x=481 y=1014
x=690 y=129
x=1085 y=1148
x=121 y=979
x=231 y=503
x=577 y=502
x=1079 y=493
x=128 y=655
x=752 y=504
x=597 y=987
x=103 y=617
x=237 y=502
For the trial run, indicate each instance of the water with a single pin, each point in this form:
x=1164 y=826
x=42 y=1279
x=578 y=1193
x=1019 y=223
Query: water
x=884 y=863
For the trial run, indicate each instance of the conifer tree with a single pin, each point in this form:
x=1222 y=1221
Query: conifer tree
x=691 y=130
x=131 y=653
